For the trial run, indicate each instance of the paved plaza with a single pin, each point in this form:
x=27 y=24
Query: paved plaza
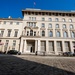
x=36 y=65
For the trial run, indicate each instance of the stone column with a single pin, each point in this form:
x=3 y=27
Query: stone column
x=71 y=47
x=35 y=45
x=47 y=46
x=25 y=46
x=63 y=46
x=39 y=46
x=21 y=45
x=55 y=48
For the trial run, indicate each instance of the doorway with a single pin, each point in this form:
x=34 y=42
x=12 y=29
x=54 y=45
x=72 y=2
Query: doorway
x=31 y=46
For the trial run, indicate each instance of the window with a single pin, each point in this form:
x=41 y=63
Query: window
x=11 y=22
x=72 y=34
x=59 y=46
x=51 y=46
x=43 y=33
x=50 y=25
x=57 y=34
x=56 y=19
x=17 y=23
x=27 y=33
x=14 y=43
x=67 y=46
x=50 y=19
x=34 y=33
x=65 y=34
x=31 y=32
x=33 y=18
x=31 y=24
x=16 y=32
x=4 y=22
x=63 y=20
x=43 y=19
x=57 y=25
x=70 y=20
x=9 y=32
x=50 y=34
x=0 y=40
x=34 y=25
x=64 y=26
x=29 y=18
x=6 y=45
x=71 y=26
x=2 y=32
x=43 y=25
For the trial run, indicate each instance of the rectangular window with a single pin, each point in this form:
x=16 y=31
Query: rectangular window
x=9 y=33
x=34 y=24
x=4 y=22
x=43 y=19
x=14 y=44
x=50 y=19
x=6 y=45
x=34 y=33
x=17 y=23
x=43 y=46
x=56 y=19
x=51 y=46
x=43 y=25
x=67 y=46
x=27 y=33
x=2 y=32
x=16 y=33
x=59 y=46
x=11 y=22
x=33 y=18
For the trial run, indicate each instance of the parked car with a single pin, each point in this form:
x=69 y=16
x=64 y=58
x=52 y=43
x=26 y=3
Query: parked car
x=1 y=52
x=73 y=54
x=14 y=52
x=68 y=54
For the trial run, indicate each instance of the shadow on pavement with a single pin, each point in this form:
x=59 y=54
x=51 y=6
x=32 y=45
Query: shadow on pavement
x=12 y=65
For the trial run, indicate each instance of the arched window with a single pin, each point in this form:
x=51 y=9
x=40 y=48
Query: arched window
x=63 y=19
x=57 y=34
x=50 y=25
x=43 y=33
x=70 y=20
x=57 y=25
x=65 y=34
x=31 y=32
x=50 y=34
x=64 y=26
x=72 y=34
x=71 y=26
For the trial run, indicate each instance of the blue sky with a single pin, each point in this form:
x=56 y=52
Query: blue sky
x=14 y=7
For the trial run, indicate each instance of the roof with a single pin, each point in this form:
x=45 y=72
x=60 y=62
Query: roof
x=19 y=19
x=46 y=11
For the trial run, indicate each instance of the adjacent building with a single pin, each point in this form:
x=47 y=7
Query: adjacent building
x=52 y=32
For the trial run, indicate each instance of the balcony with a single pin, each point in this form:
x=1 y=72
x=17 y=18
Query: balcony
x=31 y=27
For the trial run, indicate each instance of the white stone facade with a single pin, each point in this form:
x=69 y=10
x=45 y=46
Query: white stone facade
x=52 y=32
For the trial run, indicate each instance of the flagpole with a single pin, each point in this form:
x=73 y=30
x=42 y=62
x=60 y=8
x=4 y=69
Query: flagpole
x=34 y=5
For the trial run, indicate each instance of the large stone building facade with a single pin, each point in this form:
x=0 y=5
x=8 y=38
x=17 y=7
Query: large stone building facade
x=52 y=32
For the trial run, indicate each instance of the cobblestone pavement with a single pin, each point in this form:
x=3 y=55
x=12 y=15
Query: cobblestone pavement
x=36 y=65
